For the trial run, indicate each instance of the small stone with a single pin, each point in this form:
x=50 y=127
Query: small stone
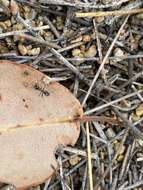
x=86 y=38
x=14 y=7
x=48 y=36
x=76 y=52
x=110 y=133
x=120 y=158
x=3 y=48
x=18 y=26
x=118 y=53
x=91 y=52
x=122 y=150
x=7 y=23
x=139 y=110
x=22 y=49
x=59 y=23
x=3 y=25
x=5 y=2
x=73 y=161
x=34 y=51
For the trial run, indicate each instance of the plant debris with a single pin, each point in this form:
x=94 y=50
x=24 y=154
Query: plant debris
x=99 y=58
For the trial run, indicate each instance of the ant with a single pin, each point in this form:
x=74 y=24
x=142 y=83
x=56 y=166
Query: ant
x=42 y=90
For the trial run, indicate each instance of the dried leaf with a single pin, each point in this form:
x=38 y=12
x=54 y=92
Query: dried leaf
x=34 y=120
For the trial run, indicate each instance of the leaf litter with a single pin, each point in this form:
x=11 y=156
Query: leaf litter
x=100 y=61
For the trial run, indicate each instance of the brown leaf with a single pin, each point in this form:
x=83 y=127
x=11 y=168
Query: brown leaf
x=34 y=120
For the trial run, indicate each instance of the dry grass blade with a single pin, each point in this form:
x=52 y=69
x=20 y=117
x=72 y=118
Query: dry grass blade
x=89 y=157
x=109 y=13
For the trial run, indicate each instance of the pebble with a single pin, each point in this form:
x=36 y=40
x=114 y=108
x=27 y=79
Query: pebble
x=86 y=38
x=22 y=49
x=91 y=52
x=139 y=110
x=110 y=133
x=73 y=161
x=118 y=53
x=34 y=51
x=76 y=52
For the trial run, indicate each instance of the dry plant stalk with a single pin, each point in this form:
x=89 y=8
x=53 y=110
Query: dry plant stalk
x=89 y=157
x=109 y=13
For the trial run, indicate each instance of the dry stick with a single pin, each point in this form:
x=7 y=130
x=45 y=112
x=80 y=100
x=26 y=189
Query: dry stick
x=112 y=102
x=99 y=48
x=45 y=55
x=78 y=152
x=89 y=157
x=27 y=26
x=134 y=185
x=72 y=170
x=135 y=131
x=132 y=5
x=134 y=78
x=18 y=32
x=37 y=40
x=113 y=160
x=61 y=173
x=52 y=27
x=120 y=99
x=4 y=7
x=92 y=58
x=135 y=90
x=104 y=61
x=80 y=4
x=109 y=13
x=98 y=40
x=125 y=161
x=68 y=64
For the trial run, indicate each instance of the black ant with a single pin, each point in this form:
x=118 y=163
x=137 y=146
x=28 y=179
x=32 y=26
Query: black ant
x=42 y=90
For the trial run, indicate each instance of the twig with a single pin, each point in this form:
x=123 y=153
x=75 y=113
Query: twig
x=48 y=58
x=61 y=173
x=89 y=157
x=78 y=152
x=27 y=26
x=52 y=27
x=113 y=160
x=109 y=13
x=82 y=5
x=46 y=55
x=18 y=32
x=133 y=186
x=104 y=61
x=68 y=64
x=112 y=102
x=84 y=179
x=125 y=161
x=37 y=40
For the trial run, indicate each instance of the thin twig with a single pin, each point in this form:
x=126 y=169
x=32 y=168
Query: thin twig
x=89 y=157
x=109 y=13
x=104 y=61
x=112 y=102
x=113 y=160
